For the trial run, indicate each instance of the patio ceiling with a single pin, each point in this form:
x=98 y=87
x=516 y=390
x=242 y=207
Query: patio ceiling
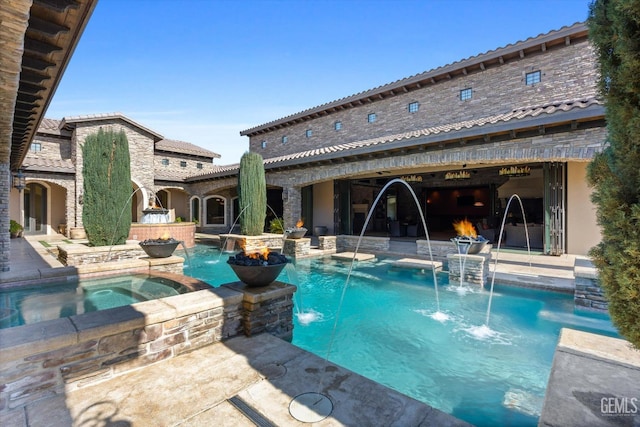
x=53 y=31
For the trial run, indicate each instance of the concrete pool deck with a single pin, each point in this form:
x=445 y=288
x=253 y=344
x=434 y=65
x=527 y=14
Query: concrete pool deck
x=200 y=388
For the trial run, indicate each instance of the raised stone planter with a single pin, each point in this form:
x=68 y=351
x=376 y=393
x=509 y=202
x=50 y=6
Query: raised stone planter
x=239 y=242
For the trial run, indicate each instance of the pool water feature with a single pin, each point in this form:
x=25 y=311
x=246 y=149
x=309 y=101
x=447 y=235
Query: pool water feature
x=386 y=332
x=32 y=304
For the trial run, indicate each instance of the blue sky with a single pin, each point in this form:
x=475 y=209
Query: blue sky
x=203 y=70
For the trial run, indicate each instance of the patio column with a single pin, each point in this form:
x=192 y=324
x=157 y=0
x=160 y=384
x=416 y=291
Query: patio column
x=291 y=205
x=14 y=14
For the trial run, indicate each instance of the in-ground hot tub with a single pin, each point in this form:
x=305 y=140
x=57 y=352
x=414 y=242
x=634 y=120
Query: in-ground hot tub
x=36 y=303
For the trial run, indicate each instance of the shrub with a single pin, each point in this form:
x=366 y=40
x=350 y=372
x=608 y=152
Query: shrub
x=614 y=26
x=15 y=227
x=106 y=212
x=276 y=226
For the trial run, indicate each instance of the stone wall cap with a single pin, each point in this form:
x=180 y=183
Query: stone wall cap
x=21 y=341
x=256 y=295
x=612 y=350
x=585 y=272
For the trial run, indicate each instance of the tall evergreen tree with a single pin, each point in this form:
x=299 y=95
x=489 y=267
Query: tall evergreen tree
x=252 y=194
x=614 y=29
x=107 y=187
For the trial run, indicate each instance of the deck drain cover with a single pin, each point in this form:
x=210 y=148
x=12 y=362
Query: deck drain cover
x=274 y=370
x=310 y=407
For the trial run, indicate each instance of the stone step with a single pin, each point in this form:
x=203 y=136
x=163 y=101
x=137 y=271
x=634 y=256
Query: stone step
x=421 y=264
x=348 y=256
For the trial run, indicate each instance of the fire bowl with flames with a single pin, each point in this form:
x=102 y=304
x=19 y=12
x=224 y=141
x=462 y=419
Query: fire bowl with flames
x=159 y=248
x=296 y=232
x=259 y=268
x=467 y=240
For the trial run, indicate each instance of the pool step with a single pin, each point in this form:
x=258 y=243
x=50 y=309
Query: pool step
x=421 y=264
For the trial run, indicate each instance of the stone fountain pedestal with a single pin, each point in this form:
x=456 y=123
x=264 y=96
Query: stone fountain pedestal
x=297 y=248
x=476 y=268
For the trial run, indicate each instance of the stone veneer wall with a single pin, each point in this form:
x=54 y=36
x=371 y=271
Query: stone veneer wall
x=374 y=244
x=568 y=72
x=49 y=358
x=297 y=248
x=588 y=293
x=77 y=254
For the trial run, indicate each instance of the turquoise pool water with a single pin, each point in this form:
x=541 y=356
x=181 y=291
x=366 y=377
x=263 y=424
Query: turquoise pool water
x=385 y=332
x=26 y=305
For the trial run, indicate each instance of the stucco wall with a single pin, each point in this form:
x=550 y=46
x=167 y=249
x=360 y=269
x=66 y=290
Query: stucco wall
x=582 y=229
x=323 y=205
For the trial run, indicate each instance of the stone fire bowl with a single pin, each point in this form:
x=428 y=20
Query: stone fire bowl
x=475 y=246
x=257 y=275
x=296 y=233
x=159 y=248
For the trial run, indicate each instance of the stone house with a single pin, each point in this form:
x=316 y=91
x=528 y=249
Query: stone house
x=523 y=119
x=52 y=199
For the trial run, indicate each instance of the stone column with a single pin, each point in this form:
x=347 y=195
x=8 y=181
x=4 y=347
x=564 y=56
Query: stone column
x=14 y=15
x=267 y=309
x=292 y=205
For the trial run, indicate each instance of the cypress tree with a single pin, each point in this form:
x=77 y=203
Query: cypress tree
x=614 y=29
x=252 y=194
x=107 y=187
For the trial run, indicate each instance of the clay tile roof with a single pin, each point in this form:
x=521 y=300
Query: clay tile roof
x=182 y=147
x=484 y=124
x=108 y=116
x=51 y=127
x=48 y=165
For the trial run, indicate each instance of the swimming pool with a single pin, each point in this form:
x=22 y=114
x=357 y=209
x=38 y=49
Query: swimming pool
x=386 y=333
x=32 y=304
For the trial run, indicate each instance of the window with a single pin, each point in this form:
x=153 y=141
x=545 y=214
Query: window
x=337 y=125
x=308 y=133
x=215 y=207
x=285 y=139
x=183 y=164
x=533 y=78
x=35 y=147
x=371 y=117
x=263 y=144
x=199 y=165
x=465 y=94
x=414 y=107
x=165 y=162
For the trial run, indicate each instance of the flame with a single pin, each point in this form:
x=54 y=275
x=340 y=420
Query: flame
x=465 y=228
x=165 y=236
x=300 y=223
x=260 y=254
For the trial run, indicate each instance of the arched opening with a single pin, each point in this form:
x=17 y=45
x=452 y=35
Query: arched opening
x=194 y=210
